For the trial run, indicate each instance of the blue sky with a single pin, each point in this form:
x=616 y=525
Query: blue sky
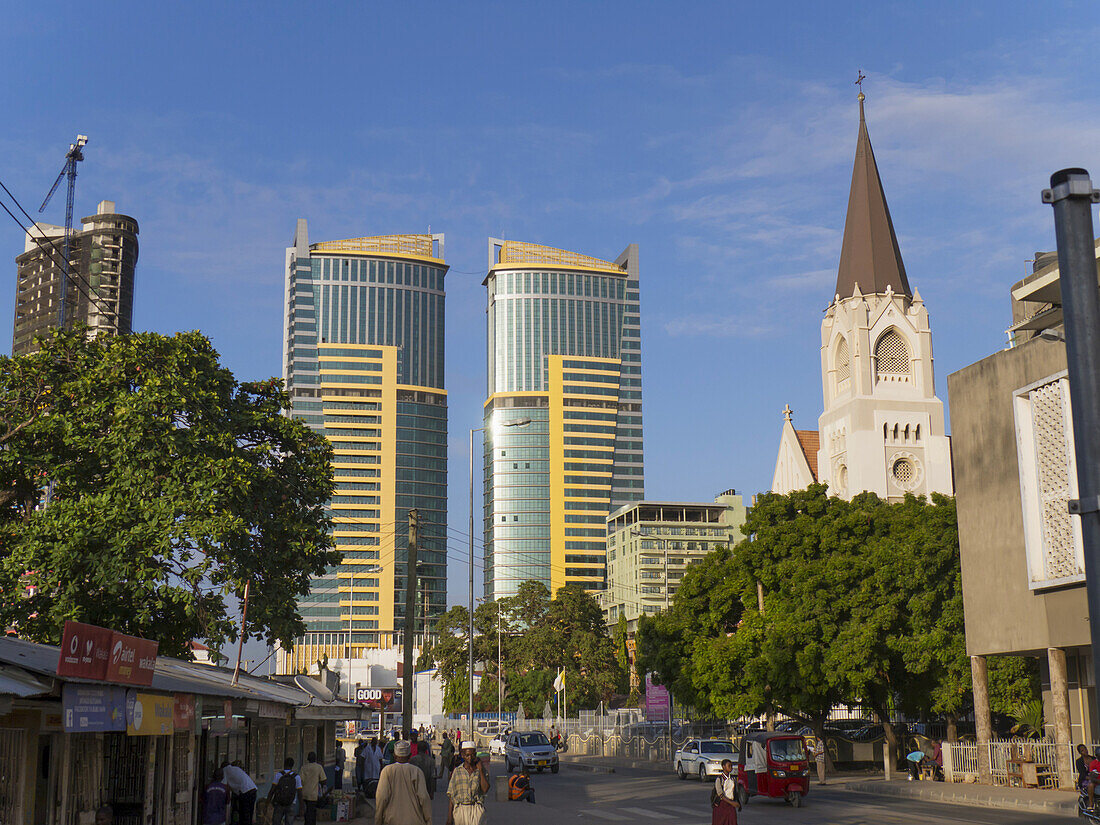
x=717 y=136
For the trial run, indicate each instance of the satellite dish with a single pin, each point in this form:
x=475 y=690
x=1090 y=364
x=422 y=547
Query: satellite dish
x=314 y=688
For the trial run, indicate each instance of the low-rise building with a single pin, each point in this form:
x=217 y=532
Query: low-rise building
x=1022 y=556
x=650 y=545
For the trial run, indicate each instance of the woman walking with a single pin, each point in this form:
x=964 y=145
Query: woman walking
x=725 y=806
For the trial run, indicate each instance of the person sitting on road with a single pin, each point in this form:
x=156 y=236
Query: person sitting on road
x=519 y=786
x=1094 y=778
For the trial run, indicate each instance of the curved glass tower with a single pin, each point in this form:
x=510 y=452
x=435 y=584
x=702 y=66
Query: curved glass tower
x=363 y=362
x=564 y=357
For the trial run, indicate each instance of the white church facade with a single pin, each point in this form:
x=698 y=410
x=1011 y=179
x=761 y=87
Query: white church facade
x=882 y=429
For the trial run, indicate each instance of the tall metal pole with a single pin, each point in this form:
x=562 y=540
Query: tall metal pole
x=240 y=641
x=410 y=624
x=1071 y=194
x=471 y=638
x=500 y=676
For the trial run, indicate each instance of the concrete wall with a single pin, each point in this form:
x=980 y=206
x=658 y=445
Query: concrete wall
x=1002 y=614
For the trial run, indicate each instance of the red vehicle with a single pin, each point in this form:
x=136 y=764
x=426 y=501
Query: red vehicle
x=774 y=765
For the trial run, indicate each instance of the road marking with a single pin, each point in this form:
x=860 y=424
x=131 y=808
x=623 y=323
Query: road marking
x=682 y=810
x=604 y=815
x=644 y=812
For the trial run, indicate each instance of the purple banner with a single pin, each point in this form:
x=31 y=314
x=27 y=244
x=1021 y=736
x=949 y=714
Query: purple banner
x=656 y=701
x=93 y=708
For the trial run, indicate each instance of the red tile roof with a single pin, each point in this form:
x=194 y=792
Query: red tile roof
x=810 y=442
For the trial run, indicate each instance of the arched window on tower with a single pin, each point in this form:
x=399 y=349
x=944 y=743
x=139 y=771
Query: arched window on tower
x=892 y=357
x=843 y=365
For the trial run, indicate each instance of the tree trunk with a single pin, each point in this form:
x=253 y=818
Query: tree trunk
x=818 y=725
x=883 y=718
x=952 y=727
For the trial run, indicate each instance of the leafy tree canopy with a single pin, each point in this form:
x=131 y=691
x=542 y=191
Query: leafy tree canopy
x=171 y=485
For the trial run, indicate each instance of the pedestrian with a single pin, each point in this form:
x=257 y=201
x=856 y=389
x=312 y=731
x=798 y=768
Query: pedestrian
x=937 y=761
x=341 y=758
x=467 y=789
x=426 y=762
x=313 y=781
x=914 y=759
x=402 y=797
x=360 y=763
x=105 y=815
x=387 y=752
x=1082 y=765
x=724 y=805
x=286 y=789
x=215 y=800
x=819 y=758
x=446 y=756
x=519 y=786
x=244 y=792
x=373 y=755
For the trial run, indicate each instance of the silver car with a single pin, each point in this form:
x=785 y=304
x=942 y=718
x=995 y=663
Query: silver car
x=530 y=748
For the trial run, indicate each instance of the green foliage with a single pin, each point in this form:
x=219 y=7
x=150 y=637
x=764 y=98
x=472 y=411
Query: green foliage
x=1013 y=681
x=1029 y=719
x=622 y=657
x=173 y=485
x=861 y=603
x=538 y=637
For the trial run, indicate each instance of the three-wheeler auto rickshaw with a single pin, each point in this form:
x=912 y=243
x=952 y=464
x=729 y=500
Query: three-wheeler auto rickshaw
x=773 y=765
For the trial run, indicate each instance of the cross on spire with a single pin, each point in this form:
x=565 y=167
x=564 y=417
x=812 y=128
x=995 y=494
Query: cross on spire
x=787 y=412
x=859 y=81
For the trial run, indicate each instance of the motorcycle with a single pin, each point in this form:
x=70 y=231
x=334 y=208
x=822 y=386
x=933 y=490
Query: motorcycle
x=1083 y=807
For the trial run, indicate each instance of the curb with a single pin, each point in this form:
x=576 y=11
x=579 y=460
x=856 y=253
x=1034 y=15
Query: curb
x=1065 y=807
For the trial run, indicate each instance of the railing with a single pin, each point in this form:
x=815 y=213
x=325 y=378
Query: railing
x=960 y=759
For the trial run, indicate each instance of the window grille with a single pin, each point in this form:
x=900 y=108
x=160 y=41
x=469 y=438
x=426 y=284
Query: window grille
x=892 y=355
x=11 y=775
x=1055 y=551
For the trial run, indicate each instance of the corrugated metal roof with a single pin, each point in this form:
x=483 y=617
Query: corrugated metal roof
x=17 y=682
x=171 y=676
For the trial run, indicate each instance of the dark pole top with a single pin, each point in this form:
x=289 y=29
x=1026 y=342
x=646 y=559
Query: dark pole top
x=1063 y=175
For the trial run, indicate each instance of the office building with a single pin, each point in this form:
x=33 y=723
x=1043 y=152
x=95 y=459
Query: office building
x=363 y=362
x=563 y=417
x=882 y=429
x=103 y=254
x=650 y=545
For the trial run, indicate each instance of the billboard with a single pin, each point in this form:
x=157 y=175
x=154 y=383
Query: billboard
x=90 y=652
x=132 y=660
x=93 y=708
x=387 y=699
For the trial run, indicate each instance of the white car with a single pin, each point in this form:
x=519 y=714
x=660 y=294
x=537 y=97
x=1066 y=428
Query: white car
x=496 y=745
x=703 y=758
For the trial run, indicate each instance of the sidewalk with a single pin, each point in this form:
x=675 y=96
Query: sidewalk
x=983 y=796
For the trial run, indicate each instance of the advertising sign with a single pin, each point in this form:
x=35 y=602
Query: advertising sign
x=148 y=714
x=85 y=650
x=93 y=708
x=656 y=701
x=183 y=711
x=387 y=699
x=132 y=660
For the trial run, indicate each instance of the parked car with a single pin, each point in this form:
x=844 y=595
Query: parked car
x=496 y=744
x=702 y=758
x=530 y=748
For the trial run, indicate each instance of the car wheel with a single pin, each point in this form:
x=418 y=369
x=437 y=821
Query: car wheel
x=680 y=770
x=703 y=773
x=742 y=796
x=554 y=769
x=795 y=799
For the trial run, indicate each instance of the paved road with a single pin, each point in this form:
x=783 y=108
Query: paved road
x=636 y=797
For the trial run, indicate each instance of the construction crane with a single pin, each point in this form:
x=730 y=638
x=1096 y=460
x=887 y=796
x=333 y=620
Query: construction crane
x=72 y=158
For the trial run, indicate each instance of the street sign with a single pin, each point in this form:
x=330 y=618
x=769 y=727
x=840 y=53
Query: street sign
x=656 y=701
x=387 y=699
x=93 y=708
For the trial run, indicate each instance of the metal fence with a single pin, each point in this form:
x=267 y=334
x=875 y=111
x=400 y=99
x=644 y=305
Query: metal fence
x=611 y=736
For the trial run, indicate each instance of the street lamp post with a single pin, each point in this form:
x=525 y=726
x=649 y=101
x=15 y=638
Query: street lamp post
x=520 y=423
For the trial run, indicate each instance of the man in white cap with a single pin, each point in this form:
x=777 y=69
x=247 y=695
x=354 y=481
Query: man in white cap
x=401 y=797
x=467 y=789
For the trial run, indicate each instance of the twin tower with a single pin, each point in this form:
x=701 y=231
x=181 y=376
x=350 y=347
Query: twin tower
x=882 y=428
x=561 y=437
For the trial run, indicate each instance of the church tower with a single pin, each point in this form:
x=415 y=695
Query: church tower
x=882 y=429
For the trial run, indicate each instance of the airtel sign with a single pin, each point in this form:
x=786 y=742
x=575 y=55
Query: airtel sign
x=90 y=652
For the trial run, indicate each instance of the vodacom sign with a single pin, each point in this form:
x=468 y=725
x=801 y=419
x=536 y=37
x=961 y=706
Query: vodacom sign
x=90 y=652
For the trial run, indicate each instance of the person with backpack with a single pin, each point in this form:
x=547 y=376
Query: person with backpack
x=723 y=797
x=286 y=789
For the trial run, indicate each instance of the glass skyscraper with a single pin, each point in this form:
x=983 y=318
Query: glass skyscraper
x=564 y=357
x=363 y=362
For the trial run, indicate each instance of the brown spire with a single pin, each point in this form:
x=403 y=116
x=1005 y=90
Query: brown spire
x=869 y=254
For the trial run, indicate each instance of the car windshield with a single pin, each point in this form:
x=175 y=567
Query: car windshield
x=529 y=739
x=787 y=750
x=716 y=746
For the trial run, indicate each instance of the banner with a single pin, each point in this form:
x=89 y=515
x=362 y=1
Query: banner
x=93 y=708
x=148 y=714
x=183 y=711
x=133 y=660
x=656 y=701
x=85 y=650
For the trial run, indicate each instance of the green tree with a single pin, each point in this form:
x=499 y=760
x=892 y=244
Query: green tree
x=1013 y=681
x=622 y=656
x=171 y=485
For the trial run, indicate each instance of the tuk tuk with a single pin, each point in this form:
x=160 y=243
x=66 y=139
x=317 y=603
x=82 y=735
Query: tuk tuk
x=773 y=765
